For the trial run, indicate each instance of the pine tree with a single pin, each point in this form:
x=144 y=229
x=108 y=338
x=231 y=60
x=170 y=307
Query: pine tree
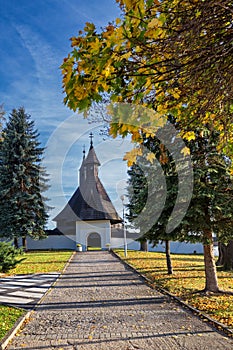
x=23 y=210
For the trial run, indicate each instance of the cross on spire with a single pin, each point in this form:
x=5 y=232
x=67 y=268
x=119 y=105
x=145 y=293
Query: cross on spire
x=84 y=152
x=91 y=137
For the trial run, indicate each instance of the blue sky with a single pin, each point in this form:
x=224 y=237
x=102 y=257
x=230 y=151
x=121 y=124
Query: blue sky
x=34 y=40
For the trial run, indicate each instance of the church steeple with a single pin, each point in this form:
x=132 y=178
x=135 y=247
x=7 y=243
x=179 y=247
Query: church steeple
x=89 y=167
x=91 y=137
x=90 y=201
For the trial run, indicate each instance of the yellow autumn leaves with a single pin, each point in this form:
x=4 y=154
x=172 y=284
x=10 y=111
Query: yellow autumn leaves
x=130 y=61
x=187 y=279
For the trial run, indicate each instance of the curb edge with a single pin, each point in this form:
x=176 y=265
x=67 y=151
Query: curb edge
x=19 y=323
x=220 y=327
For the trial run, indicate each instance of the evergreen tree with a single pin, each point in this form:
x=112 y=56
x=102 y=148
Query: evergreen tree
x=211 y=208
x=138 y=194
x=22 y=178
x=1 y=119
x=9 y=256
x=158 y=182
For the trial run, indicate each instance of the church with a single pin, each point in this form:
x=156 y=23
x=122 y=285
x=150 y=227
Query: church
x=89 y=219
x=89 y=215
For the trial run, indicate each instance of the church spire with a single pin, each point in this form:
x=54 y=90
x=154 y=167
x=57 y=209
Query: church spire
x=90 y=164
x=91 y=137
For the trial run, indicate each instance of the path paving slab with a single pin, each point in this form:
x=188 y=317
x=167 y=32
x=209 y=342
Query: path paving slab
x=25 y=291
x=100 y=304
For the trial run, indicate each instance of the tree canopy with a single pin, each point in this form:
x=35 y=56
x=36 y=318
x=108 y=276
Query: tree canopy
x=22 y=180
x=170 y=56
x=210 y=209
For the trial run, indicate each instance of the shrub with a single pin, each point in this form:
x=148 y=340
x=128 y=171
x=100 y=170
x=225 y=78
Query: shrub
x=8 y=256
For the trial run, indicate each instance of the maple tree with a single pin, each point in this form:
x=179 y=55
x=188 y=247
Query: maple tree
x=171 y=56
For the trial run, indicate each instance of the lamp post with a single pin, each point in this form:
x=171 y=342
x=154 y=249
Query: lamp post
x=124 y=228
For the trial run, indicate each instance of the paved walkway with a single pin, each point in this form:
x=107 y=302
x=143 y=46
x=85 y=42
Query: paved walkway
x=99 y=304
x=25 y=290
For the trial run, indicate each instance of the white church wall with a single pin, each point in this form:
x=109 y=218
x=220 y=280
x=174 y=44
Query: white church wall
x=52 y=242
x=84 y=228
x=119 y=243
x=175 y=247
x=178 y=248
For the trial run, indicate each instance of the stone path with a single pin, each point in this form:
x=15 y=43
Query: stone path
x=98 y=303
x=25 y=290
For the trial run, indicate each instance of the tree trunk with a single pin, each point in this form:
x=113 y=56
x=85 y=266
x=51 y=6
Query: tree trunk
x=225 y=258
x=144 y=246
x=168 y=258
x=24 y=243
x=211 y=284
x=221 y=248
x=16 y=244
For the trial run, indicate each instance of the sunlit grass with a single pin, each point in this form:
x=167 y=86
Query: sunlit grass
x=33 y=262
x=41 y=262
x=8 y=317
x=187 y=279
x=94 y=248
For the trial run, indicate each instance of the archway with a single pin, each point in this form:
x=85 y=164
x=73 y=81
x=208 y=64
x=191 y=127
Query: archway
x=93 y=241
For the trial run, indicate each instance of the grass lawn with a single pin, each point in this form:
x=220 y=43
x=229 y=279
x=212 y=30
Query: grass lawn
x=41 y=262
x=188 y=277
x=33 y=262
x=8 y=317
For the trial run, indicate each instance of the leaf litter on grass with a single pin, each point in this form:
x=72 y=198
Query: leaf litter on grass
x=186 y=281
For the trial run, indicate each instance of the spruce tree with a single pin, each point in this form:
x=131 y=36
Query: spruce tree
x=1 y=118
x=22 y=206
x=144 y=183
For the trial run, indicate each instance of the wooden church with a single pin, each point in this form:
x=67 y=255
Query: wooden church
x=89 y=215
x=89 y=219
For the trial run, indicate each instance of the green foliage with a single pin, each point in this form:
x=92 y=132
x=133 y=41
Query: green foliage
x=211 y=207
x=1 y=120
x=22 y=179
x=158 y=181
x=8 y=256
x=146 y=183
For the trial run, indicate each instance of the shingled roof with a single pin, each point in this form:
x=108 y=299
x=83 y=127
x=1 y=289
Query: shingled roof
x=90 y=201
